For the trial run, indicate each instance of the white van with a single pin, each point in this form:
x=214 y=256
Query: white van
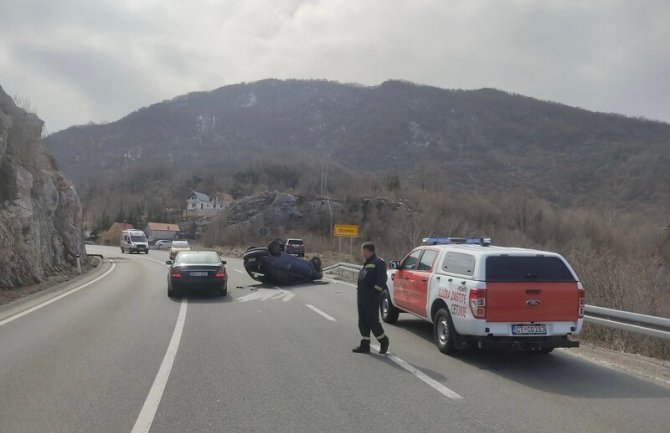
x=134 y=241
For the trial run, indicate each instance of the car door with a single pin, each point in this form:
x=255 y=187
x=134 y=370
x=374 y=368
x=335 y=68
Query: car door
x=402 y=278
x=417 y=289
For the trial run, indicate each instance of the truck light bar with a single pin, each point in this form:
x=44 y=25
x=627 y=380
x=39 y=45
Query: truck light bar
x=483 y=241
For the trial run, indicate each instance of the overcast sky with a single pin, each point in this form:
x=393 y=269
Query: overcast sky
x=97 y=60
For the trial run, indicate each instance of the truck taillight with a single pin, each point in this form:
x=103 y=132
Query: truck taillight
x=477 y=301
x=580 y=302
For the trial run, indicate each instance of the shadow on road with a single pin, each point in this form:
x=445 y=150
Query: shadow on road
x=386 y=359
x=259 y=285
x=204 y=298
x=558 y=373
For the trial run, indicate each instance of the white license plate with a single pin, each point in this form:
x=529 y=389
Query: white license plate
x=198 y=274
x=529 y=329
x=251 y=259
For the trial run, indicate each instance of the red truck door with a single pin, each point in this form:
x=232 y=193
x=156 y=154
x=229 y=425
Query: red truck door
x=417 y=292
x=402 y=280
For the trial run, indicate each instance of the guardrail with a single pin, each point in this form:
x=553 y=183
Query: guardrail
x=616 y=319
x=342 y=265
x=634 y=322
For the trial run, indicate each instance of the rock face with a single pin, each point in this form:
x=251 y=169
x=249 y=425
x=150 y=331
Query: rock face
x=40 y=213
x=274 y=209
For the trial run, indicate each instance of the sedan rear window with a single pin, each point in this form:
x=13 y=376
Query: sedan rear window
x=180 y=244
x=527 y=268
x=199 y=258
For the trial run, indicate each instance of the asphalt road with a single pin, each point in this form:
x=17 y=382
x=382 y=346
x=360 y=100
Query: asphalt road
x=118 y=355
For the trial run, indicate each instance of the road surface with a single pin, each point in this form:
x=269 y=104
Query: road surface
x=117 y=355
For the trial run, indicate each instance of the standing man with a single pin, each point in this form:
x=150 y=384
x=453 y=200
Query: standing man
x=371 y=283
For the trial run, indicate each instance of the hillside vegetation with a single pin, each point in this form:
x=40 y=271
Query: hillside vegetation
x=530 y=173
x=480 y=140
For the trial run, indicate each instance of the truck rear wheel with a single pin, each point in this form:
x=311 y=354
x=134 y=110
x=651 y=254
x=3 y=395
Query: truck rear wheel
x=388 y=312
x=443 y=330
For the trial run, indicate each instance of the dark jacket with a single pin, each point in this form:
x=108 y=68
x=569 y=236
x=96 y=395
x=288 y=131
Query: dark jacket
x=372 y=278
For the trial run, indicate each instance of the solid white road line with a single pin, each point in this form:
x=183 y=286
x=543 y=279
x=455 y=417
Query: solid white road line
x=421 y=375
x=320 y=313
x=153 y=260
x=55 y=298
x=237 y=270
x=148 y=412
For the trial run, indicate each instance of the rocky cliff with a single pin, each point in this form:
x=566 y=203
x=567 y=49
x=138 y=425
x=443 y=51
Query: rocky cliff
x=40 y=213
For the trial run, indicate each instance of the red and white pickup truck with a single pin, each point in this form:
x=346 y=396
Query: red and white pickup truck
x=487 y=296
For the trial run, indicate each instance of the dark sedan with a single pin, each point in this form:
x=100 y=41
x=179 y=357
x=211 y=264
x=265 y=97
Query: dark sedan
x=197 y=271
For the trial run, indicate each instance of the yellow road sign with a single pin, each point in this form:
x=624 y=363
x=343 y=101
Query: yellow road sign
x=346 y=230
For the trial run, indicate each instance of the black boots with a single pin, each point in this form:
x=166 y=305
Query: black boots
x=383 y=345
x=363 y=348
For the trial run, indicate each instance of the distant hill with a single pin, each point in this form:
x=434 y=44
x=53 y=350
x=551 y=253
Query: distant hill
x=477 y=140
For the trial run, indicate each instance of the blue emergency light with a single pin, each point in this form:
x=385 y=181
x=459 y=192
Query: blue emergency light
x=483 y=241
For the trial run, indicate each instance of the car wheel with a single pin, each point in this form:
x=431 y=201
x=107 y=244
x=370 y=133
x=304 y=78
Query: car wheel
x=388 y=311
x=171 y=293
x=443 y=329
x=146 y=252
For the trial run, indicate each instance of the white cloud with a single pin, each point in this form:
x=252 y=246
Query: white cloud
x=78 y=60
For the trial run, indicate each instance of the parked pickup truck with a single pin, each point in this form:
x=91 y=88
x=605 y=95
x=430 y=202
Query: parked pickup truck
x=478 y=295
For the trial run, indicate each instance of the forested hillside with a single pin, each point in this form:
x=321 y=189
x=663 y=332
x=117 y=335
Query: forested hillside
x=430 y=138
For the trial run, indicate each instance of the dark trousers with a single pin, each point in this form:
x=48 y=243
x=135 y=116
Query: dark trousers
x=368 y=314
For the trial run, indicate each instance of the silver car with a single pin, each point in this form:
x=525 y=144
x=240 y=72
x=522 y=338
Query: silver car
x=178 y=246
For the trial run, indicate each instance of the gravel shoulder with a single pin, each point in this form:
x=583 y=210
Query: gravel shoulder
x=10 y=295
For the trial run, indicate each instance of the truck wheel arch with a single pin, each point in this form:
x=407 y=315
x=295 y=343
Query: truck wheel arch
x=437 y=304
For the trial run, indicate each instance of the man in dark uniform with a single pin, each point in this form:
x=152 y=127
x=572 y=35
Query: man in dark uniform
x=371 y=283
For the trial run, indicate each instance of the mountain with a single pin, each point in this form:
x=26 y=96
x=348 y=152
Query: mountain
x=40 y=213
x=475 y=140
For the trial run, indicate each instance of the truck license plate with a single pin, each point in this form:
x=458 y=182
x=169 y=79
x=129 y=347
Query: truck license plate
x=198 y=274
x=529 y=329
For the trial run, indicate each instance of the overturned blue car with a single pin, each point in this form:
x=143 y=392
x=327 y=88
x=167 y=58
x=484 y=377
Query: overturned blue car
x=270 y=265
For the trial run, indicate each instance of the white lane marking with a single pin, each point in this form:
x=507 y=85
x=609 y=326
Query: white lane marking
x=265 y=294
x=287 y=296
x=148 y=412
x=153 y=260
x=237 y=270
x=56 y=298
x=320 y=313
x=421 y=375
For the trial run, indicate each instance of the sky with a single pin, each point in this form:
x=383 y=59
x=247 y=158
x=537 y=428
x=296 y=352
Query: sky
x=80 y=61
